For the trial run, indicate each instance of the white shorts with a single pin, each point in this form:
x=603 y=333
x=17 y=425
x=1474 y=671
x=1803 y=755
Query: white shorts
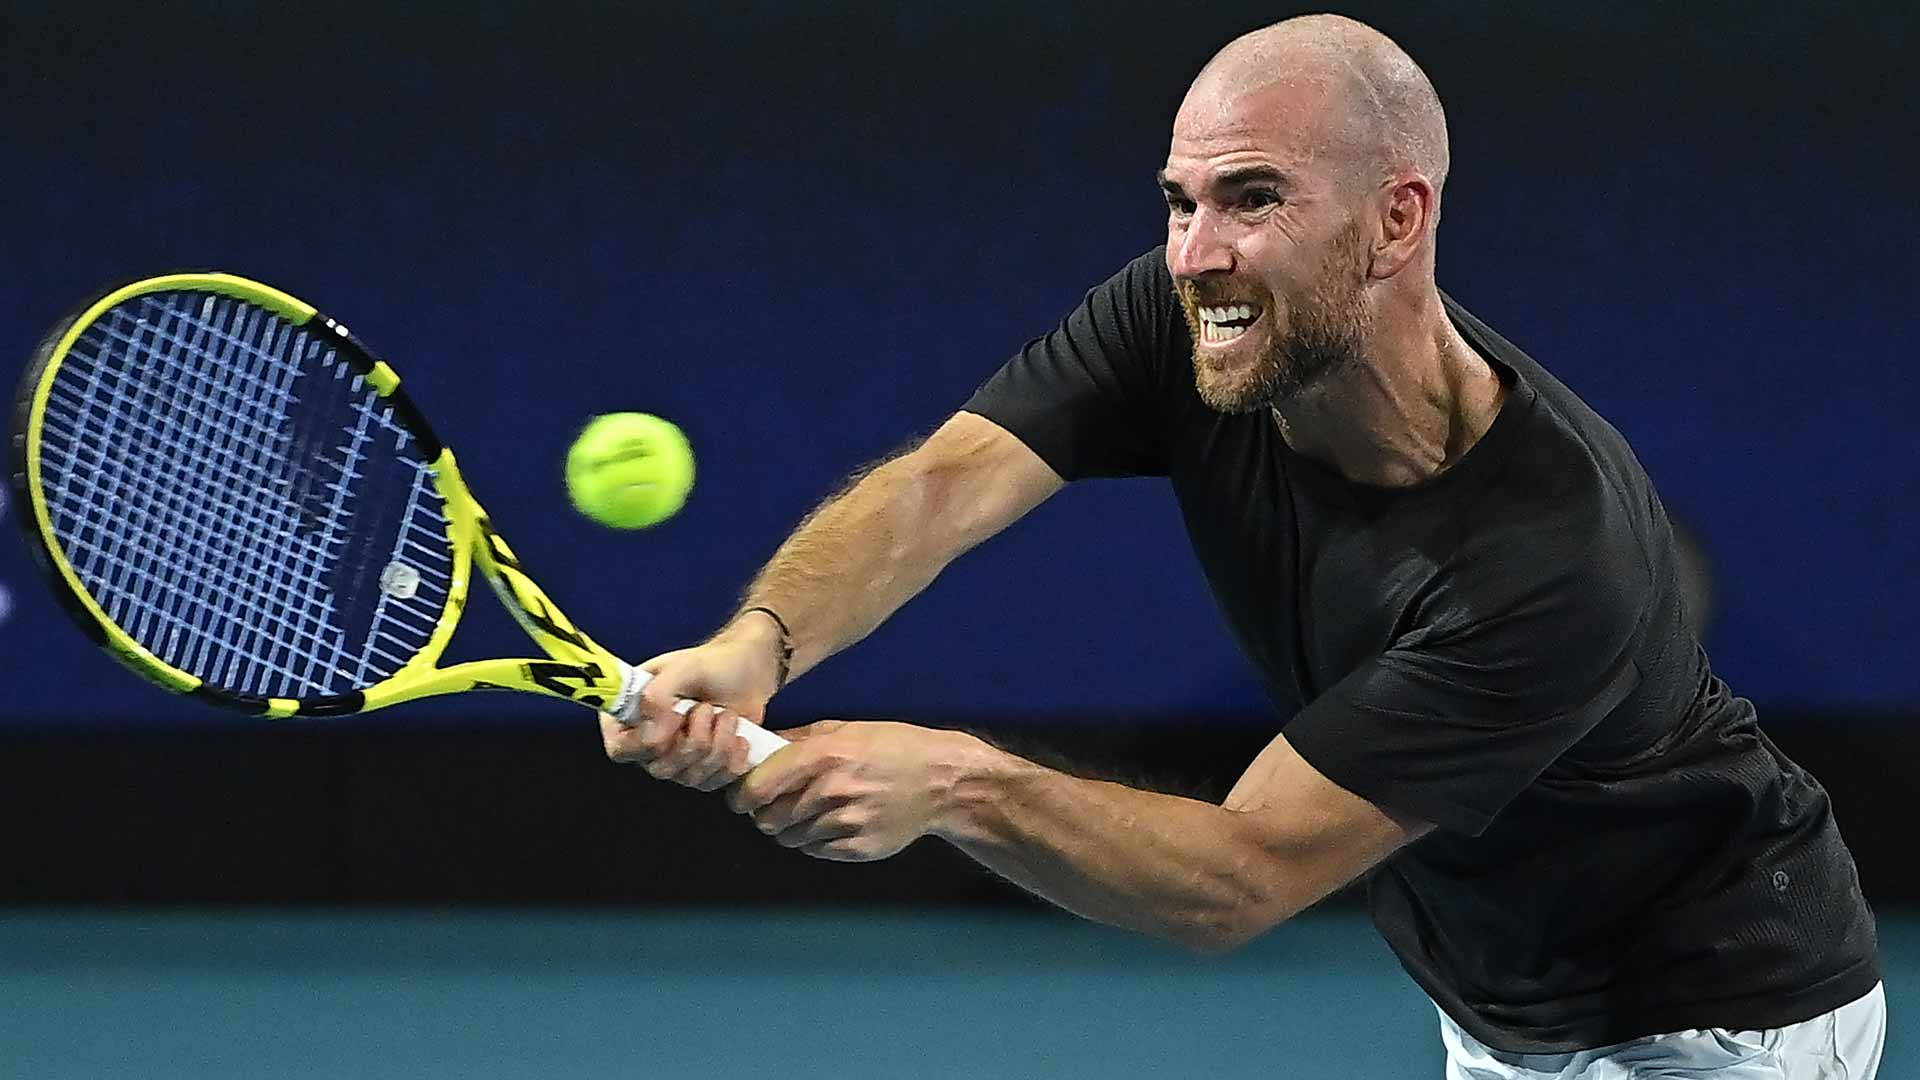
x=1844 y=1044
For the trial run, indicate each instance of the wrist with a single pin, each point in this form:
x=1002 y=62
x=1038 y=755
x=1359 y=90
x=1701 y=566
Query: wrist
x=977 y=775
x=761 y=633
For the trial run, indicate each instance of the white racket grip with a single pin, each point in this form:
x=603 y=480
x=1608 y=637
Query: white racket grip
x=761 y=743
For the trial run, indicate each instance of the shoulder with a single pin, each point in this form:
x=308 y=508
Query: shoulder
x=1565 y=464
x=1569 y=520
x=1568 y=448
x=1146 y=274
x=1140 y=297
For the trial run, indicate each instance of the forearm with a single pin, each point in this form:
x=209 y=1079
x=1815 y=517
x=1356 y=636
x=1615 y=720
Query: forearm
x=852 y=563
x=1169 y=866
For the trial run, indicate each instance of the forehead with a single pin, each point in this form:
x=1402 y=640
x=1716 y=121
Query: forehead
x=1284 y=123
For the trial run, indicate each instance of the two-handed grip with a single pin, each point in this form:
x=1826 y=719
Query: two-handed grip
x=761 y=743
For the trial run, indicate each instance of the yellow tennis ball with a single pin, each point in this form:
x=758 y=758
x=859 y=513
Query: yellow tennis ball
x=629 y=470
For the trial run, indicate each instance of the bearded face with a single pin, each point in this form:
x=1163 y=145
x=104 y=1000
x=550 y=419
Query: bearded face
x=1253 y=349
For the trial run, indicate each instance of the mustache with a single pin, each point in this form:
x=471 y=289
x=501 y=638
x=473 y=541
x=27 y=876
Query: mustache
x=1193 y=296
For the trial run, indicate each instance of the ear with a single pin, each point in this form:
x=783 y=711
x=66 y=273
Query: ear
x=1409 y=208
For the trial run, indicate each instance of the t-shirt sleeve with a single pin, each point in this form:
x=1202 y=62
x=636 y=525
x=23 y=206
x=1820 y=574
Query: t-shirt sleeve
x=1450 y=724
x=1089 y=397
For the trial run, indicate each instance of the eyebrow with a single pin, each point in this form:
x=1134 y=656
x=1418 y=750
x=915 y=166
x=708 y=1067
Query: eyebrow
x=1232 y=178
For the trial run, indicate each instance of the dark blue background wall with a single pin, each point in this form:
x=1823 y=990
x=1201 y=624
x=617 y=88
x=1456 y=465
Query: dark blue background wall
x=806 y=231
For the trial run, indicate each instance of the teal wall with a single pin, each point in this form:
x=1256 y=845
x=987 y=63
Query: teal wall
x=842 y=996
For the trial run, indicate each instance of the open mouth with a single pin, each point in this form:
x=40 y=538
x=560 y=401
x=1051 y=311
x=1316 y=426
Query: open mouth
x=1224 y=323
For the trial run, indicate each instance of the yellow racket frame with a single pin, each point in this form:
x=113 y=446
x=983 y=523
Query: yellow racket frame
x=575 y=667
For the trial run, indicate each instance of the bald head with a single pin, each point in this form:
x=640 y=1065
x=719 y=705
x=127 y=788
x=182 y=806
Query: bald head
x=1303 y=190
x=1353 y=94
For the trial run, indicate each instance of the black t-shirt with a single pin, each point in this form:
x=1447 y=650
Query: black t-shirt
x=1619 y=851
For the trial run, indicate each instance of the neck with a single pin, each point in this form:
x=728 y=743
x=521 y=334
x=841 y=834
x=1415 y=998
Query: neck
x=1418 y=399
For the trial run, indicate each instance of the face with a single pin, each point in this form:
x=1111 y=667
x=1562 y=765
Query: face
x=1269 y=260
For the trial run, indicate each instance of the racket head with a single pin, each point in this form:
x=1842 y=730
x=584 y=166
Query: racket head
x=234 y=498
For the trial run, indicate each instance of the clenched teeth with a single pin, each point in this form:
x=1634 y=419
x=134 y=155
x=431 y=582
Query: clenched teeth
x=1223 y=323
x=1230 y=313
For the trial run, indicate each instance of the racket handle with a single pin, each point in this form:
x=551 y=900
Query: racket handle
x=761 y=743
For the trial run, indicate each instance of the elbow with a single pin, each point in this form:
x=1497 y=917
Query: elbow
x=1214 y=943
x=1230 y=929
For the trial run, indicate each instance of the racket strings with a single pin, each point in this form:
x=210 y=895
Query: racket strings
x=202 y=576
x=397 y=624
x=206 y=465
x=128 y=505
x=176 y=421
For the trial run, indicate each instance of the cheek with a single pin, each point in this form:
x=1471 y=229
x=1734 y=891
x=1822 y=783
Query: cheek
x=1271 y=262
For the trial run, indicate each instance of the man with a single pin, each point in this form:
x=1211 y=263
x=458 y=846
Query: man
x=1583 y=849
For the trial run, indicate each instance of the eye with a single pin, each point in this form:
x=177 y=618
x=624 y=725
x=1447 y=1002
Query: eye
x=1260 y=199
x=1179 y=207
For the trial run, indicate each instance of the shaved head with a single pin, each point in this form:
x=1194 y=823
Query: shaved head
x=1371 y=105
x=1303 y=190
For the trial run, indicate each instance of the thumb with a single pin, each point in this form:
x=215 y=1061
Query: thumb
x=807 y=731
x=653 y=664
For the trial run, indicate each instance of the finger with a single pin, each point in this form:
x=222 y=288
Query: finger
x=735 y=799
x=709 y=763
x=798 y=807
x=640 y=745
x=834 y=824
x=789 y=770
x=658 y=698
x=660 y=736
x=716 y=767
x=774 y=816
x=842 y=849
x=651 y=745
x=620 y=741
x=682 y=762
x=654 y=732
x=739 y=755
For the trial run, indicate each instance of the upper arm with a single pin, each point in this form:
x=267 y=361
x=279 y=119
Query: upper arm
x=976 y=479
x=1317 y=836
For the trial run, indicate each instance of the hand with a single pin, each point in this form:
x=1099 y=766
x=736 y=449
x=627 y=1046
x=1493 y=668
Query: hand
x=683 y=727
x=854 y=791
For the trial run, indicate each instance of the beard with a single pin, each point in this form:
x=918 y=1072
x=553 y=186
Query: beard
x=1325 y=331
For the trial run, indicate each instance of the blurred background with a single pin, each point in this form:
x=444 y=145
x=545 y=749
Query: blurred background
x=805 y=232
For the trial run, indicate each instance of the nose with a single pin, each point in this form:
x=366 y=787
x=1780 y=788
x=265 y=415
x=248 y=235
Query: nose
x=1198 y=246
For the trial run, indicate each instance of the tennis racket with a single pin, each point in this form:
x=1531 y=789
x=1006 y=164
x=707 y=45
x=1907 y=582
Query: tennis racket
x=233 y=497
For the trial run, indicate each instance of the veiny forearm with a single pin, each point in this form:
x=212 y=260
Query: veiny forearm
x=1169 y=866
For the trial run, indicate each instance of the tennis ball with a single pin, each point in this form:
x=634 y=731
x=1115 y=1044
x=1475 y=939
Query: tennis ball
x=629 y=470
